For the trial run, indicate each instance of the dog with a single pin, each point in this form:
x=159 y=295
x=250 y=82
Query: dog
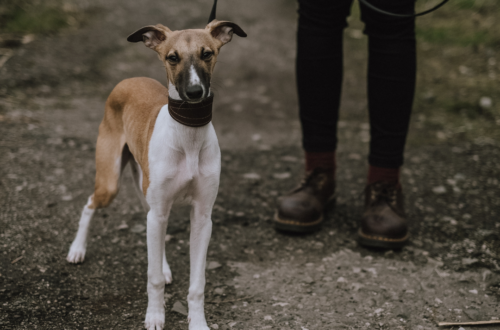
x=168 y=139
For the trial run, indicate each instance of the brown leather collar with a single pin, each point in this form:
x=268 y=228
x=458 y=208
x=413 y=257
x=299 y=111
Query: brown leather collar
x=191 y=114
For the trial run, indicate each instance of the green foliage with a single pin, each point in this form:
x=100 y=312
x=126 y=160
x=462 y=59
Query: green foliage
x=456 y=35
x=470 y=110
x=30 y=16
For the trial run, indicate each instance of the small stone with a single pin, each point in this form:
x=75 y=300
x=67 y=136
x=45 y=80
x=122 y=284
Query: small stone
x=138 y=229
x=378 y=311
x=251 y=176
x=439 y=301
x=469 y=261
x=341 y=280
x=282 y=176
x=213 y=265
x=268 y=318
x=318 y=245
x=67 y=198
x=452 y=221
x=473 y=291
x=214 y=326
x=179 y=308
x=219 y=291
x=308 y=280
x=439 y=190
x=122 y=226
x=485 y=102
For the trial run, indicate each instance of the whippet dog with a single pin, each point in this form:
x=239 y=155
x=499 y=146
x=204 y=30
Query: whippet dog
x=168 y=139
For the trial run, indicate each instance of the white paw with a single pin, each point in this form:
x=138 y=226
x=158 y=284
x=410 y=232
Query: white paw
x=155 y=320
x=193 y=326
x=168 y=276
x=197 y=323
x=200 y=327
x=76 y=254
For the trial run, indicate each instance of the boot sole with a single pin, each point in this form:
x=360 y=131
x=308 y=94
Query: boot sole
x=294 y=226
x=381 y=242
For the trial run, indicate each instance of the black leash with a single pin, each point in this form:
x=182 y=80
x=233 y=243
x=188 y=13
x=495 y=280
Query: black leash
x=364 y=2
x=214 y=9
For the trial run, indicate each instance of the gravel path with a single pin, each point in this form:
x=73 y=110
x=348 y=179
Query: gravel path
x=257 y=279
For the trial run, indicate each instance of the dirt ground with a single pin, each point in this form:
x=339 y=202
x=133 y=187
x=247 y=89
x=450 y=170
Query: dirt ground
x=52 y=93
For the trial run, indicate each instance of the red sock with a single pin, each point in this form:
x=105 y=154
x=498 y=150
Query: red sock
x=324 y=160
x=381 y=174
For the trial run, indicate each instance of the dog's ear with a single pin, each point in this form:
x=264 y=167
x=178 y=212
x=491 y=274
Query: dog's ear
x=223 y=30
x=151 y=35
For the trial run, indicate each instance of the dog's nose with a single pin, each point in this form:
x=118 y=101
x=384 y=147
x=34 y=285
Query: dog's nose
x=194 y=92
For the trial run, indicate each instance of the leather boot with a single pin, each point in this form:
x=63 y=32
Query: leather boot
x=302 y=209
x=384 y=223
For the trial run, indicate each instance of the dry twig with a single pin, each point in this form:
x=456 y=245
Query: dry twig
x=444 y=324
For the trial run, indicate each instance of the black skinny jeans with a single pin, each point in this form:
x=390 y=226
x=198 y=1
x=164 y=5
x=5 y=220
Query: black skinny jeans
x=391 y=75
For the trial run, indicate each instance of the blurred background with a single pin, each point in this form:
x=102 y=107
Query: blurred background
x=59 y=60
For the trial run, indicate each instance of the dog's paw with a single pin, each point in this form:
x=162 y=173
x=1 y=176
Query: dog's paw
x=155 y=320
x=76 y=254
x=197 y=323
x=200 y=327
x=168 y=276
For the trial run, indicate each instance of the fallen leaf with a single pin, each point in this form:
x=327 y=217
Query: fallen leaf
x=179 y=308
x=213 y=265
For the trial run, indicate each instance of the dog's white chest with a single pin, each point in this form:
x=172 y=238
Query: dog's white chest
x=179 y=157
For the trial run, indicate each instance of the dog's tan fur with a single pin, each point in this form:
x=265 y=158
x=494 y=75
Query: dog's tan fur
x=129 y=118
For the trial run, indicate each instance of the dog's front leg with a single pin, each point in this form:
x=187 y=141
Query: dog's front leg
x=201 y=230
x=156 y=228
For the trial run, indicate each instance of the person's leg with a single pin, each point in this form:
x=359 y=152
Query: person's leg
x=391 y=87
x=391 y=82
x=319 y=69
x=319 y=81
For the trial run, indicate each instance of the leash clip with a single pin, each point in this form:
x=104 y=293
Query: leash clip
x=213 y=12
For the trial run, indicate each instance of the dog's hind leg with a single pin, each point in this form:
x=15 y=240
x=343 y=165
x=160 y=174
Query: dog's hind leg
x=138 y=177
x=137 y=174
x=112 y=155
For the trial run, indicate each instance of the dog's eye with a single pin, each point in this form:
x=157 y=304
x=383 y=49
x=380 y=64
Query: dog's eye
x=173 y=58
x=206 y=55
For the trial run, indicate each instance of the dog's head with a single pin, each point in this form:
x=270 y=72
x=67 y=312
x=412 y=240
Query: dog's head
x=188 y=55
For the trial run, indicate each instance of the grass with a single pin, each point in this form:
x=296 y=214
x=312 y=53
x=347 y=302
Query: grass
x=32 y=16
x=462 y=23
x=458 y=65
